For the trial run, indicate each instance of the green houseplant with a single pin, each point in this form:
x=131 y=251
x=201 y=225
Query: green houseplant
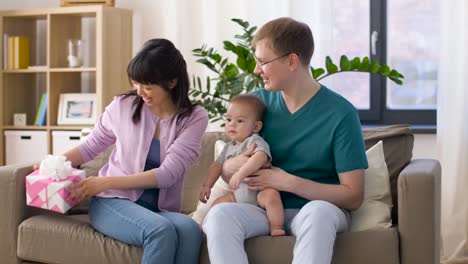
x=232 y=79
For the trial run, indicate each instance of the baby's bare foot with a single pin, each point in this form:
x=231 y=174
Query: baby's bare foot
x=277 y=232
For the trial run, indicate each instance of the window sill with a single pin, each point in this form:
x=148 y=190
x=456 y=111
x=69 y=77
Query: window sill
x=417 y=129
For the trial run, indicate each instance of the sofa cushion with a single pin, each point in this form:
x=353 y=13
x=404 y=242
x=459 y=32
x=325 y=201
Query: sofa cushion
x=40 y=236
x=195 y=175
x=398 y=149
x=375 y=210
x=219 y=189
x=371 y=246
x=365 y=247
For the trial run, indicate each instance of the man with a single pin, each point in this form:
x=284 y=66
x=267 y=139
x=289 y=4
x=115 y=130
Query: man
x=318 y=154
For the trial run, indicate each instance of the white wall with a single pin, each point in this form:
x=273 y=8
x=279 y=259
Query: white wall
x=156 y=19
x=425 y=146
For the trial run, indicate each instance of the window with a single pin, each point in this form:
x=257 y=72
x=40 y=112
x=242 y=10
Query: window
x=406 y=37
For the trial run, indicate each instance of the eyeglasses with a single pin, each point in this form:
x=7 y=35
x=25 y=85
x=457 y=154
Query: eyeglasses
x=266 y=62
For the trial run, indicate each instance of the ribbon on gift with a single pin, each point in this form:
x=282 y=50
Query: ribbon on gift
x=37 y=183
x=56 y=167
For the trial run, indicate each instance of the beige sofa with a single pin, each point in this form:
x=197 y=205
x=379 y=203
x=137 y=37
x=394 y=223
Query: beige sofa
x=35 y=235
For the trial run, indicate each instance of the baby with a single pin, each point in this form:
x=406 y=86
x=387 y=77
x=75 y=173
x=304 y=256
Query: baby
x=243 y=121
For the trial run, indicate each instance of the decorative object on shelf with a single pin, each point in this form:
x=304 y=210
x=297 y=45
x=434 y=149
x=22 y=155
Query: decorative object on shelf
x=77 y=109
x=75 y=53
x=19 y=119
x=235 y=78
x=86 y=2
x=41 y=111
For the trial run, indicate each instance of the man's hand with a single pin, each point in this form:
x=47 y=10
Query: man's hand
x=205 y=194
x=232 y=165
x=87 y=188
x=274 y=178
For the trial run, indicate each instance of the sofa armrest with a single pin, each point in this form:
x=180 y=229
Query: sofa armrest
x=419 y=212
x=13 y=202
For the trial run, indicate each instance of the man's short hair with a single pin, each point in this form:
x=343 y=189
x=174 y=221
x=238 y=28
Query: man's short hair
x=286 y=35
x=252 y=100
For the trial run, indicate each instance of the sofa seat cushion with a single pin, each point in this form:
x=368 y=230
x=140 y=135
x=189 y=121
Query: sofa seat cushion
x=363 y=247
x=366 y=247
x=70 y=239
x=40 y=236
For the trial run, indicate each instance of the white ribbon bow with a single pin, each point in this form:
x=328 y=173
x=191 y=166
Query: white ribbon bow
x=56 y=167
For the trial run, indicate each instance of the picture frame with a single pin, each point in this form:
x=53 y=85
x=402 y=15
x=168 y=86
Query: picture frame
x=77 y=109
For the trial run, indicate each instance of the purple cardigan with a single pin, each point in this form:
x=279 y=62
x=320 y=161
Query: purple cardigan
x=180 y=147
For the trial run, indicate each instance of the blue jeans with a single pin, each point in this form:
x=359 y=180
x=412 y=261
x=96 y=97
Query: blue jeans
x=166 y=237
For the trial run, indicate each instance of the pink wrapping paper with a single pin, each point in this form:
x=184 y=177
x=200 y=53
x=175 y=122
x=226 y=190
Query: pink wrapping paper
x=48 y=193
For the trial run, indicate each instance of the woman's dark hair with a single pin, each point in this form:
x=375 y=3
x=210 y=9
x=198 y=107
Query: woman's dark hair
x=160 y=62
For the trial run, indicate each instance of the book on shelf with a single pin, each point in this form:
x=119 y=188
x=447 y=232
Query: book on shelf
x=11 y=53
x=15 y=52
x=41 y=111
x=21 y=52
x=5 y=51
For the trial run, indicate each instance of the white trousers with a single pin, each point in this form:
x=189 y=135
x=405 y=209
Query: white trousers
x=315 y=225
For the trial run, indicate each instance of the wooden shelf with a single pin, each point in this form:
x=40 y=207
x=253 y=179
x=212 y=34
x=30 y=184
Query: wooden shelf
x=46 y=69
x=35 y=70
x=107 y=35
x=24 y=127
x=63 y=127
x=81 y=69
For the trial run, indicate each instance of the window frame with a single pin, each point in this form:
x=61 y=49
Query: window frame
x=378 y=113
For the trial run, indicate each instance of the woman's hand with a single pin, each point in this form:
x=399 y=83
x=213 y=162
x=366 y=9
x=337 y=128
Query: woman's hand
x=87 y=188
x=232 y=165
x=275 y=178
x=205 y=194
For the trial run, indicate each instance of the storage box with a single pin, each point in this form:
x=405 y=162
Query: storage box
x=25 y=146
x=63 y=141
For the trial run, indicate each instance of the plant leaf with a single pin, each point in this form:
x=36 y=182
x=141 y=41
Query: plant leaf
x=208 y=84
x=208 y=64
x=345 y=64
x=356 y=63
x=216 y=57
x=384 y=70
x=394 y=74
x=374 y=67
x=331 y=68
x=199 y=82
x=242 y=63
x=364 y=64
x=231 y=71
x=317 y=72
x=229 y=46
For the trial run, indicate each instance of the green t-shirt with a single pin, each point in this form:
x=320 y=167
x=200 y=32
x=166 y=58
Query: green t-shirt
x=317 y=142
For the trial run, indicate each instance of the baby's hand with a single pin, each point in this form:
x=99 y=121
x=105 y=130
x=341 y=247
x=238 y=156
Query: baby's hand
x=235 y=181
x=205 y=194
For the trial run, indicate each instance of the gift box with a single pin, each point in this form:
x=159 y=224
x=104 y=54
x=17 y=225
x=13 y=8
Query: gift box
x=46 y=187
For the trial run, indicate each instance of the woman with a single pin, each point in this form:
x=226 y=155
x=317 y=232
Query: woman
x=157 y=134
